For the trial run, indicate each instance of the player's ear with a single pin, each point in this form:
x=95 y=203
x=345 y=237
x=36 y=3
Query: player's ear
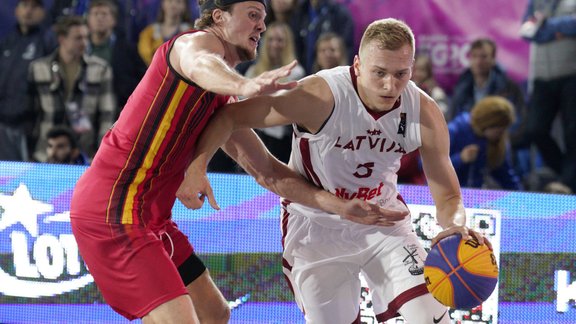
x=217 y=15
x=356 y=65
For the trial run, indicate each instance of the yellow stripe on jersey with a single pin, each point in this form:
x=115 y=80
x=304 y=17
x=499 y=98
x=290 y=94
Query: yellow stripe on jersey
x=166 y=74
x=152 y=152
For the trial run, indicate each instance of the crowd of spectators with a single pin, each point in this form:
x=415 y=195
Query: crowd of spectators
x=67 y=71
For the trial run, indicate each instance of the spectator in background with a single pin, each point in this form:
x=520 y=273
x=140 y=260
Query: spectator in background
x=127 y=66
x=62 y=147
x=550 y=27
x=314 y=17
x=282 y=11
x=277 y=51
x=27 y=42
x=485 y=77
x=423 y=76
x=173 y=18
x=479 y=145
x=72 y=88
x=62 y=8
x=330 y=52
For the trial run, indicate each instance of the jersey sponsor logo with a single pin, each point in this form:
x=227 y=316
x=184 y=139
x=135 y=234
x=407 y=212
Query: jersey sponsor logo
x=364 y=193
x=44 y=264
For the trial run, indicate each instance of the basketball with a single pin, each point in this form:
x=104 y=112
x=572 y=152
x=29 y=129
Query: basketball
x=459 y=273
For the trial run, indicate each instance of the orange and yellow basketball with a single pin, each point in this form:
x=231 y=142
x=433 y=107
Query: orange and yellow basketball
x=459 y=273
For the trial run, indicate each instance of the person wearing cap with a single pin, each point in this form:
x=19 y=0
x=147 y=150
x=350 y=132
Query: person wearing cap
x=120 y=211
x=27 y=42
x=480 y=145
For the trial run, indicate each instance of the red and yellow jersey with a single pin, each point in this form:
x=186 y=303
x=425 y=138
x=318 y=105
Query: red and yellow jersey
x=142 y=159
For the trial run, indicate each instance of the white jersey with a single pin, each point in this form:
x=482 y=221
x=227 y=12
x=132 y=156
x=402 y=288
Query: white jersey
x=356 y=153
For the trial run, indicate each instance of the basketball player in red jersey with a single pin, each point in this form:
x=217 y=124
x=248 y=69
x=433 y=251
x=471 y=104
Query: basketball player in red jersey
x=352 y=124
x=121 y=207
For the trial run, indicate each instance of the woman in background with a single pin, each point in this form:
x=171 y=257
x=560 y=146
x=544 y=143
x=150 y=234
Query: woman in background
x=173 y=18
x=423 y=76
x=330 y=52
x=479 y=145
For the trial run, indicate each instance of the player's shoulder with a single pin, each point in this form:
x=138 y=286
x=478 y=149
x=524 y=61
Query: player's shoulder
x=197 y=38
x=198 y=42
x=336 y=72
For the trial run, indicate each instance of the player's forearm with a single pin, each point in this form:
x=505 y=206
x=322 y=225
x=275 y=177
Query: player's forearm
x=216 y=133
x=451 y=212
x=288 y=184
x=211 y=73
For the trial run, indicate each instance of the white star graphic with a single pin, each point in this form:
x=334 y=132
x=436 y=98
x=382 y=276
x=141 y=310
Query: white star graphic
x=22 y=208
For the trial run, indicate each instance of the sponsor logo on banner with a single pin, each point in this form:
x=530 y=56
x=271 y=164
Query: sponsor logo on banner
x=44 y=252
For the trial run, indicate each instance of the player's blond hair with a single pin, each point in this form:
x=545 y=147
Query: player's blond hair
x=389 y=33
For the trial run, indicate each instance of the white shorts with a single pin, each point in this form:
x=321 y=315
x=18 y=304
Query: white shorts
x=322 y=264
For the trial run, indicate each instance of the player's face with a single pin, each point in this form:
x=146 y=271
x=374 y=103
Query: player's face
x=382 y=75
x=243 y=27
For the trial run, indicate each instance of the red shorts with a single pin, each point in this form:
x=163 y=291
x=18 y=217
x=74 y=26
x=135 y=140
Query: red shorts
x=135 y=269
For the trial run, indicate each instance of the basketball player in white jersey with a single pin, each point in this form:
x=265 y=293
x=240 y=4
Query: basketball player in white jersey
x=352 y=125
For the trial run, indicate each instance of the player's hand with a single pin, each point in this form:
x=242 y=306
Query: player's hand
x=269 y=81
x=194 y=189
x=363 y=212
x=465 y=232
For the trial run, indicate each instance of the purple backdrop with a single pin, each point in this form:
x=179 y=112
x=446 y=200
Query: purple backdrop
x=445 y=27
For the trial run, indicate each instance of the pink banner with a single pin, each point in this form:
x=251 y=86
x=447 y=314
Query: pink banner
x=445 y=28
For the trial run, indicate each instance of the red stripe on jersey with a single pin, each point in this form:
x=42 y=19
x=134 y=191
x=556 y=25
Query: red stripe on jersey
x=284 y=219
x=304 y=146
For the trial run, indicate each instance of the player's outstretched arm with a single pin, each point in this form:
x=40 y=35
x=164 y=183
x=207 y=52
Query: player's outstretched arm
x=248 y=150
x=308 y=105
x=199 y=57
x=440 y=174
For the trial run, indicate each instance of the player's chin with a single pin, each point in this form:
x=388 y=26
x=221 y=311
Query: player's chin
x=247 y=54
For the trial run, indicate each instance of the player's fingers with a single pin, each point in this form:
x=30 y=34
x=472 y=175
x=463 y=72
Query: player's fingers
x=286 y=85
x=465 y=233
x=194 y=202
x=211 y=199
x=289 y=66
x=393 y=214
x=440 y=236
x=385 y=223
x=481 y=239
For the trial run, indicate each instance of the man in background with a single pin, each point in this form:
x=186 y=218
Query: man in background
x=62 y=147
x=27 y=42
